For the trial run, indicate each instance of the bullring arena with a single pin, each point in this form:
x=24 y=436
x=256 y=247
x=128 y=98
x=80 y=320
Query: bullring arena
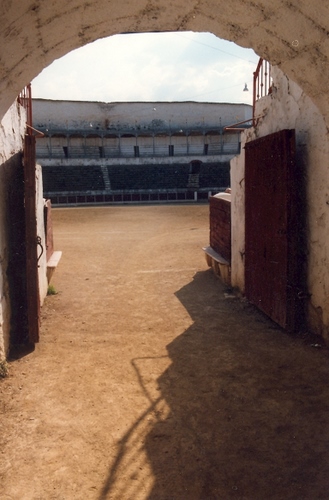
x=153 y=381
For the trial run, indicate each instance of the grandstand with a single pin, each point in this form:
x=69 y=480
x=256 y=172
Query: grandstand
x=177 y=159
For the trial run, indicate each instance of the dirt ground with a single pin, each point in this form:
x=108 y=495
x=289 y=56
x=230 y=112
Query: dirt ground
x=152 y=382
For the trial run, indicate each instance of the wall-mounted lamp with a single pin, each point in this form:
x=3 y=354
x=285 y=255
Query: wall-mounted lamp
x=245 y=88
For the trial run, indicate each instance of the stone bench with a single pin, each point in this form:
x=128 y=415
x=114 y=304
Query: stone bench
x=220 y=266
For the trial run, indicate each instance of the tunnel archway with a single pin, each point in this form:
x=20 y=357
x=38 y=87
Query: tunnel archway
x=290 y=35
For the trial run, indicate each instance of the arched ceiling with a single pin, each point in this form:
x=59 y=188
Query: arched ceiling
x=292 y=34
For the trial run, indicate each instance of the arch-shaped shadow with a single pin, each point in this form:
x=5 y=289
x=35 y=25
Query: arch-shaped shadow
x=248 y=411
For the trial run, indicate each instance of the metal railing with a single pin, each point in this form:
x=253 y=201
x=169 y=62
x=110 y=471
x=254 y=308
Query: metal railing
x=262 y=84
x=25 y=100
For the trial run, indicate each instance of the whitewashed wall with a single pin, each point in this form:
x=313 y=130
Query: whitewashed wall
x=238 y=218
x=140 y=115
x=289 y=107
x=42 y=269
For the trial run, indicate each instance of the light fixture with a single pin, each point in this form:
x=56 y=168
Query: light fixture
x=245 y=88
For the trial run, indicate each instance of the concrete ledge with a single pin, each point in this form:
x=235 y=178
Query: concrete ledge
x=220 y=266
x=52 y=264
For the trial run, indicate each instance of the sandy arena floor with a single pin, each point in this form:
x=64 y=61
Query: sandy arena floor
x=150 y=383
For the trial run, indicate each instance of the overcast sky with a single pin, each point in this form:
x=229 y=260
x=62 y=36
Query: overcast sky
x=151 y=67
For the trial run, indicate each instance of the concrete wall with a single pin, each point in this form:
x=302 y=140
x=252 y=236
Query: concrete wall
x=141 y=116
x=164 y=160
x=42 y=269
x=289 y=107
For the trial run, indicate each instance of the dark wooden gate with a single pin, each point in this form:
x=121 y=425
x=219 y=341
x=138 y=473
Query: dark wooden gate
x=31 y=236
x=273 y=190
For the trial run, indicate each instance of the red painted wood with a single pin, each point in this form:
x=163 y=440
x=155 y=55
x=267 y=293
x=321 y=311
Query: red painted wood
x=32 y=248
x=272 y=267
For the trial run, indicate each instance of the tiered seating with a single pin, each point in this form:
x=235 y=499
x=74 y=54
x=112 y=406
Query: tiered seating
x=232 y=145
x=117 y=177
x=161 y=150
x=148 y=177
x=42 y=150
x=72 y=178
x=76 y=151
x=111 y=151
x=214 y=175
x=196 y=149
x=180 y=149
x=214 y=148
x=196 y=145
x=127 y=150
x=175 y=176
x=92 y=152
x=56 y=152
x=168 y=178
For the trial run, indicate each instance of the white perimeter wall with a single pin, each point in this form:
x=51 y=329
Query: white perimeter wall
x=289 y=107
x=150 y=160
x=146 y=115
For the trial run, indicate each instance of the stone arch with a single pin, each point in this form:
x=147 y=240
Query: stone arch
x=292 y=35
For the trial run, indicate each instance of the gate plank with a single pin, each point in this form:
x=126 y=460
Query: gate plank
x=32 y=278
x=272 y=277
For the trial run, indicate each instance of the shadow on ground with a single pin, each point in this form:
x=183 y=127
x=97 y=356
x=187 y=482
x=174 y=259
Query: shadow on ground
x=248 y=410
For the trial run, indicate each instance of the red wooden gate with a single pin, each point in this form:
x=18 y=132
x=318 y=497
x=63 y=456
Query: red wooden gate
x=31 y=236
x=273 y=187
